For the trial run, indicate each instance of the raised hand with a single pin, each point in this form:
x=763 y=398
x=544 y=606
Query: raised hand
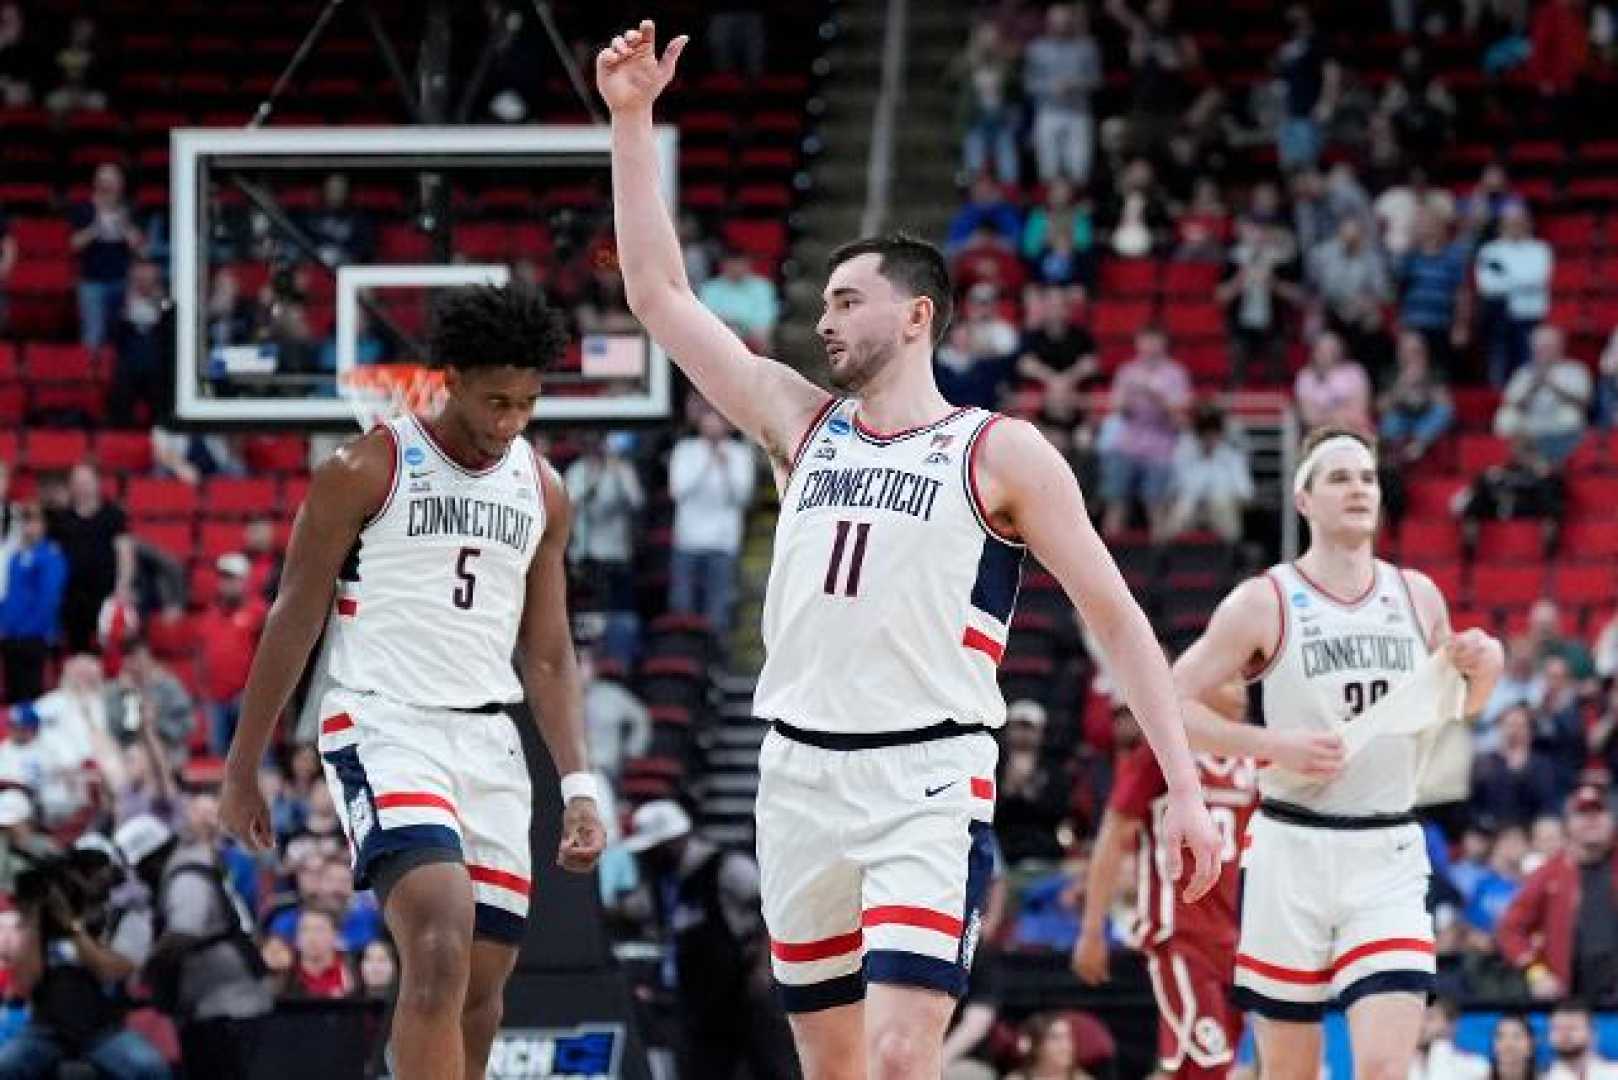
x=629 y=74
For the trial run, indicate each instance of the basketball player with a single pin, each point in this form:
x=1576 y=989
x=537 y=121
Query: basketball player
x=428 y=548
x=1190 y=949
x=1335 y=871
x=898 y=552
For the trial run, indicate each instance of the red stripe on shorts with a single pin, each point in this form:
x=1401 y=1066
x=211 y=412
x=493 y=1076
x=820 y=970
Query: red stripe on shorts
x=1359 y=952
x=413 y=800
x=983 y=643
x=333 y=724
x=500 y=879
x=348 y=607
x=924 y=918
x=802 y=952
x=982 y=788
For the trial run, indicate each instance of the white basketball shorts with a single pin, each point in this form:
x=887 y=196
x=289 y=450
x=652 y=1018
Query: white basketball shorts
x=874 y=863
x=1331 y=914
x=406 y=778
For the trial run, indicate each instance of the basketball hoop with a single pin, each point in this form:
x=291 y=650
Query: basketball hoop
x=377 y=392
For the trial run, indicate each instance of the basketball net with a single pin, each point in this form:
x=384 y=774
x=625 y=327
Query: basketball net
x=379 y=392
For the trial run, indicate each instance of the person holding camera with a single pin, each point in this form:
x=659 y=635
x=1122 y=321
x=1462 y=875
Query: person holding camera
x=203 y=970
x=69 y=964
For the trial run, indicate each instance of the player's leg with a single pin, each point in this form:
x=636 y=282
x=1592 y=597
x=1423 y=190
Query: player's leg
x=929 y=859
x=429 y=914
x=1198 y=1030
x=496 y=802
x=1384 y=962
x=1283 y=957
x=1384 y=1030
x=811 y=901
x=492 y=962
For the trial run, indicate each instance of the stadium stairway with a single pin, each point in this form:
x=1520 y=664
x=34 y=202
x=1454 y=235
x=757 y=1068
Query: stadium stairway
x=727 y=779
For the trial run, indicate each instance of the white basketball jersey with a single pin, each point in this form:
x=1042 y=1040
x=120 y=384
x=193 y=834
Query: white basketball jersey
x=1336 y=659
x=430 y=599
x=890 y=596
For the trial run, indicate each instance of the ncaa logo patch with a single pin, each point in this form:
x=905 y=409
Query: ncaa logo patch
x=839 y=425
x=415 y=455
x=1300 y=599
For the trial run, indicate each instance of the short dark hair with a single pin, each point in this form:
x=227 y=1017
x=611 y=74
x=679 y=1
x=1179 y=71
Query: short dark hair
x=911 y=264
x=480 y=326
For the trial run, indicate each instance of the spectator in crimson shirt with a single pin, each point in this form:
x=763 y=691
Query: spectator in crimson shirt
x=320 y=972
x=227 y=634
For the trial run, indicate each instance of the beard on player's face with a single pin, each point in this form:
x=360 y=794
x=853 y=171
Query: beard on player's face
x=862 y=362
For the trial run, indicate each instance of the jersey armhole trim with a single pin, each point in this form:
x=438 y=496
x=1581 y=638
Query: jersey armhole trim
x=808 y=435
x=539 y=482
x=393 y=481
x=1415 y=612
x=973 y=498
x=1280 y=638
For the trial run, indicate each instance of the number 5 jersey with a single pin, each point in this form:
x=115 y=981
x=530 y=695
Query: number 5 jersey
x=430 y=599
x=1336 y=658
x=890 y=593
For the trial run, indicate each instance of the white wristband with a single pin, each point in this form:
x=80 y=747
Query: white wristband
x=580 y=785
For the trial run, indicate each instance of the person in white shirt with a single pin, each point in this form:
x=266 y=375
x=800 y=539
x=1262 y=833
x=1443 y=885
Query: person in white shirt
x=711 y=477
x=1548 y=400
x=616 y=723
x=1437 y=1057
x=1572 y=1039
x=1212 y=483
x=606 y=495
x=1514 y=279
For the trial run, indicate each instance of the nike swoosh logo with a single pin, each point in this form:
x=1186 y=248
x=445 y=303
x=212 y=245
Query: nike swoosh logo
x=935 y=790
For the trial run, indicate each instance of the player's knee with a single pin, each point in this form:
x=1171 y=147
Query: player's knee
x=897 y=1054
x=1381 y=1063
x=437 y=959
x=484 y=1008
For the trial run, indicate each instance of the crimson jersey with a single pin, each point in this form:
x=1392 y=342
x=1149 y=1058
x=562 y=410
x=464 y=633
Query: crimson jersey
x=1140 y=791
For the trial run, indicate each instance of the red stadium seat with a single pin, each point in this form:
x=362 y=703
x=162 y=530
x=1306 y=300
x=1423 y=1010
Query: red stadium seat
x=1430 y=496
x=1429 y=538
x=1446 y=575
x=127 y=452
x=1507 y=586
x=1191 y=279
x=1192 y=320
x=51 y=450
x=1510 y=541
x=219 y=538
x=1128 y=277
x=174 y=537
x=155 y=497
x=1481 y=452
x=1583 y=585
x=248 y=496
x=41 y=237
x=277 y=453
x=1120 y=318
x=1590 y=540
x=293 y=492
x=1592 y=496
x=10 y=365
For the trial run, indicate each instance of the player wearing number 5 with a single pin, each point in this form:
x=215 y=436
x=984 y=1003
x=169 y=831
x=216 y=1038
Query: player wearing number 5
x=901 y=536
x=427 y=549
x=1335 y=867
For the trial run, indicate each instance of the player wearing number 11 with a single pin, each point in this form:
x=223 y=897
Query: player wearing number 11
x=427 y=548
x=901 y=536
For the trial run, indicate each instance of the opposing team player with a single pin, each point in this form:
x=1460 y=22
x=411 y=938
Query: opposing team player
x=429 y=548
x=900 y=541
x=1190 y=949
x=1335 y=872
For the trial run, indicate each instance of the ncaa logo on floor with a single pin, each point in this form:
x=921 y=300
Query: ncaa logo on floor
x=585 y=1052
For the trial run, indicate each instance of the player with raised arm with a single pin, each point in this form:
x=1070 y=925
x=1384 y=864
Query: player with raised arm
x=898 y=551
x=1190 y=949
x=1335 y=868
x=431 y=550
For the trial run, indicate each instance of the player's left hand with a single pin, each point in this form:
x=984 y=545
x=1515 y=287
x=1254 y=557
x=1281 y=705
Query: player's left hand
x=1187 y=824
x=583 y=836
x=1476 y=653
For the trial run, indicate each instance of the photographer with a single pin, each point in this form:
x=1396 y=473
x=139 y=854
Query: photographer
x=70 y=970
x=203 y=970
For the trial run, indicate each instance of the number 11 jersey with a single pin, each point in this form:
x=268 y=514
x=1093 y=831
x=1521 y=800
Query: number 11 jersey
x=890 y=593
x=430 y=598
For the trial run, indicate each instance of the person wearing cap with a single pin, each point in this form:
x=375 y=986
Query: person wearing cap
x=31 y=610
x=1034 y=796
x=707 y=902
x=1561 y=929
x=227 y=633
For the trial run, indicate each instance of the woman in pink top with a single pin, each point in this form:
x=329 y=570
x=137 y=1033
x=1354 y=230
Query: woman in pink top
x=1333 y=389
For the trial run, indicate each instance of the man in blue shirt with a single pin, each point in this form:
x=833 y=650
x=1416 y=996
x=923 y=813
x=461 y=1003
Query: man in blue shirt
x=30 y=614
x=1432 y=297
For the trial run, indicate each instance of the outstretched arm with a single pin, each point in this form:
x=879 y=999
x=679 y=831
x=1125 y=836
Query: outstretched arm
x=1029 y=491
x=768 y=400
